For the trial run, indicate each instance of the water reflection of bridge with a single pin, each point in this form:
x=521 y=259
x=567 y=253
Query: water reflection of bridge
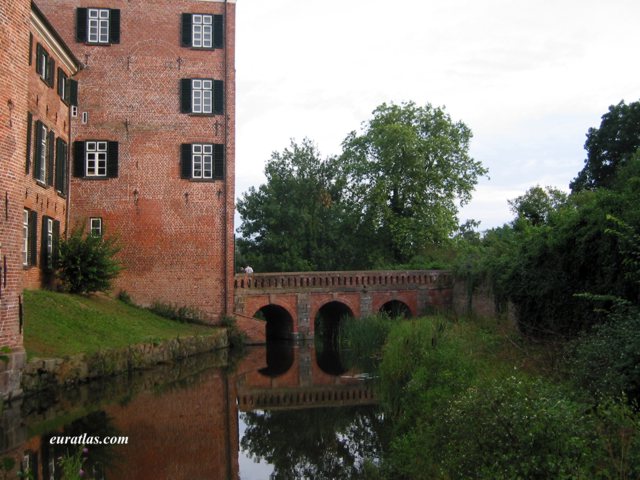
x=300 y=382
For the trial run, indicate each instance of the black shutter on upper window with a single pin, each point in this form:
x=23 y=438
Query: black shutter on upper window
x=187 y=30
x=185 y=95
x=44 y=254
x=112 y=159
x=61 y=84
x=56 y=243
x=114 y=26
x=29 y=128
x=61 y=166
x=32 y=241
x=51 y=70
x=218 y=97
x=30 y=47
x=79 y=164
x=82 y=23
x=186 y=163
x=51 y=142
x=218 y=31
x=39 y=53
x=218 y=161
x=37 y=158
x=73 y=92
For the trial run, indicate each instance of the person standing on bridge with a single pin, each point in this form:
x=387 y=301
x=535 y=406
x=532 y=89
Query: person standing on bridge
x=248 y=272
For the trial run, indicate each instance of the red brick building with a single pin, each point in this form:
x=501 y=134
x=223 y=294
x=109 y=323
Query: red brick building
x=153 y=142
x=37 y=90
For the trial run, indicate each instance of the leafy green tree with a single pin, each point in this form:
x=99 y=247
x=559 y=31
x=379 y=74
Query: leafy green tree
x=295 y=222
x=609 y=146
x=537 y=204
x=407 y=172
x=87 y=262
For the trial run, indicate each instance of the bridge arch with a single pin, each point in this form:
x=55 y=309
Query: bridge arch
x=396 y=308
x=279 y=321
x=326 y=327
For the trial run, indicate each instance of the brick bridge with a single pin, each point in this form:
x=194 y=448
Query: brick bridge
x=291 y=302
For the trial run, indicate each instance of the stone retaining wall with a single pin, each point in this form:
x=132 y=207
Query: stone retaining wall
x=40 y=374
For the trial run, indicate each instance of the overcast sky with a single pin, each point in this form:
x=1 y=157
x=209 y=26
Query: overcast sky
x=528 y=77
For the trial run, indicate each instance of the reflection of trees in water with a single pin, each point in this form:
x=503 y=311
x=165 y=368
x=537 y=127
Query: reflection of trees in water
x=321 y=443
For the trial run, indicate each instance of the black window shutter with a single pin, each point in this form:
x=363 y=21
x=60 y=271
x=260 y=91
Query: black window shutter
x=29 y=128
x=186 y=163
x=30 y=47
x=51 y=142
x=79 y=164
x=61 y=84
x=218 y=97
x=218 y=161
x=32 y=241
x=73 y=92
x=185 y=95
x=37 y=159
x=112 y=159
x=218 y=31
x=44 y=255
x=187 y=30
x=56 y=243
x=39 y=53
x=61 y=166
x=82 y=24
x=114 y=26
x=51 y=70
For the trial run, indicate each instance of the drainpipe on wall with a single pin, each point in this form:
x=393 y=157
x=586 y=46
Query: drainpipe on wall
x=226 y=147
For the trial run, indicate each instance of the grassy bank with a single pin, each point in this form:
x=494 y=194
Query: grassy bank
x=58 y=324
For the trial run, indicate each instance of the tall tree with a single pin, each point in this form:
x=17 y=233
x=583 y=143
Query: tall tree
x=610 y=146
x=293 y=221
x=537 y=204
x=408 y=171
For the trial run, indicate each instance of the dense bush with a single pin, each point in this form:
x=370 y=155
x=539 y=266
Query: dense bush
x=515 y=428
x=606 y=360
x=87 y=262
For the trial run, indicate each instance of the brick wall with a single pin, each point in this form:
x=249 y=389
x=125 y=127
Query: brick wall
x=46 y=106
x=176 y=234
x=14 y=48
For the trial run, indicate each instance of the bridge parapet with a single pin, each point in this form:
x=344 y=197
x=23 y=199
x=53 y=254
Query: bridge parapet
x=342 y=281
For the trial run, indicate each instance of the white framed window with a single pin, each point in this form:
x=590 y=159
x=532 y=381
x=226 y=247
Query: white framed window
x=98 y=23
x=95 y=225
x=96 y=159
x=202 y=31
x=25 y=237
x=202 y=160
x=49 y=245
x=41 y=161
x=201 y=96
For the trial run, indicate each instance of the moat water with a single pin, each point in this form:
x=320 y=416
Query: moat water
x=279 y=412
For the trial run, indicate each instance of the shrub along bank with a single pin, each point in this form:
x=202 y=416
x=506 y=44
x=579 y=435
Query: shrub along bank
x=474 y=400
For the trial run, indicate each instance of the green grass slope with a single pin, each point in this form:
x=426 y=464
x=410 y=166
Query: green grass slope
x=58 y=324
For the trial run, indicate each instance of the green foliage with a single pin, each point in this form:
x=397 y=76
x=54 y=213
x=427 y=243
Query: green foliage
x=537 y=204
x=295 y=222
x=4 y=351
x=515 y=428
x=606 y=360
x=87 y=262
x=237 y=338
x=395 y=188
x=178 y=313
x=407 y=171
x=6 y=465
x=361 y=340
x=609 y=147
x=72 y=464
x=124 y=297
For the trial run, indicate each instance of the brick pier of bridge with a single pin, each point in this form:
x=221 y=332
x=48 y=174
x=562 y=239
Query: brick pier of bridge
x=295 y=300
